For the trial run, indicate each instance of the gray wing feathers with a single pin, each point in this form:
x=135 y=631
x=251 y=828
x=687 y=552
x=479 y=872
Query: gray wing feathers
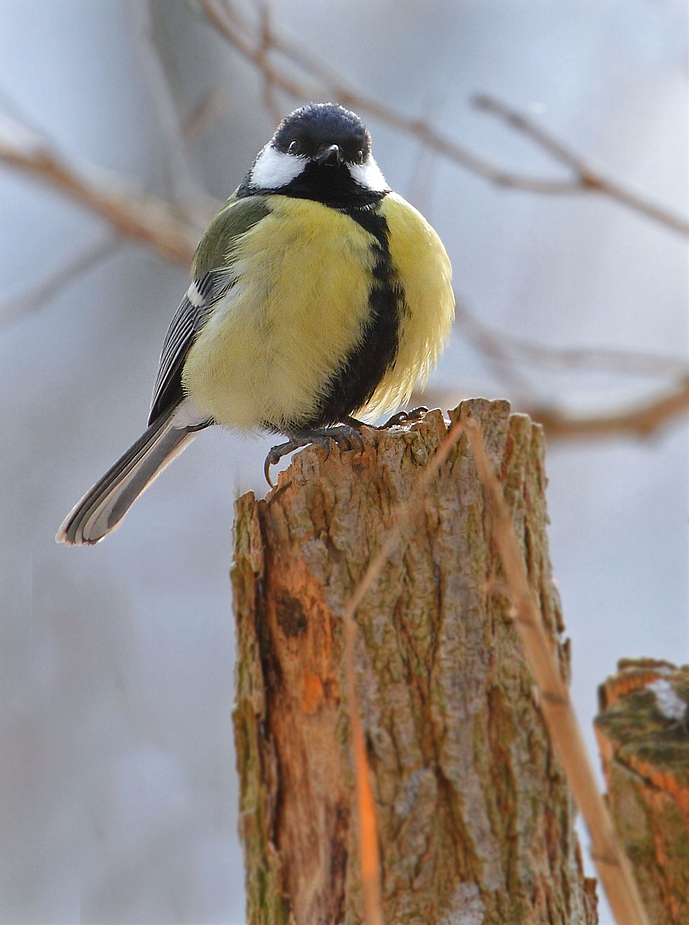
x=213 y=276
x=103 y=507
x=187 y=322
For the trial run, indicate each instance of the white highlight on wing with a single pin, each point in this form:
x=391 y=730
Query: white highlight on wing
x=194 y=295
x=368 y=175
x=669 y=702
x=274 y=169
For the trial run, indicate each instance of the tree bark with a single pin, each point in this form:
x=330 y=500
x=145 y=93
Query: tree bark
x=644 y=741
x=475 y=819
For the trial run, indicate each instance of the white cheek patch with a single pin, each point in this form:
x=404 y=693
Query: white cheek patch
x=368 y=175
x=274 y=169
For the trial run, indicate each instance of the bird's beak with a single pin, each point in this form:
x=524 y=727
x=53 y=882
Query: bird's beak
x=330 y=156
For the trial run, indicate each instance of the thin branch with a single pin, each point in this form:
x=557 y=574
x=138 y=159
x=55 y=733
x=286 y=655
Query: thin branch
x=506 y=347
x=637 y=420
x=244 y=36
x=594 y=358
x=30 y=302
x=164 y=103
x=612 y=865
x=641 y=420
x=270 y=100
x=424 y=170
x=207 y=108
x=494 y=349
x=183 y=181
x=169 y=231
x=588 y=179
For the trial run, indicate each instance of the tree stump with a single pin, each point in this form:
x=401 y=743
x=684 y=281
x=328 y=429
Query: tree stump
x=643 y=735
x=475 y=819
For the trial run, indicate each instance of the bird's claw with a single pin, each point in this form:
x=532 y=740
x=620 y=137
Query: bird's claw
x=405 y=417
x=274 y=456
x=343 y=435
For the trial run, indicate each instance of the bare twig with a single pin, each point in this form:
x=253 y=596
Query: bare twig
x=494 y=349
x=208 y=107
x=251 y=43
x=270 y=100
x=627 y=362
x=637 y=420
x=183 y=181
x=612 y=865
x=641 y=420
x=588 y=179
x=29 y=302
x=424 y=171
x=507 y=348
x=132 y=213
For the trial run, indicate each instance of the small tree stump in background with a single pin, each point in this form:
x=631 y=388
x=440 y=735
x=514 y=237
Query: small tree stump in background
x=643 y=733
x=475 y=819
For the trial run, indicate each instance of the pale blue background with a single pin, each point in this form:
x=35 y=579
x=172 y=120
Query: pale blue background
x=117 y=791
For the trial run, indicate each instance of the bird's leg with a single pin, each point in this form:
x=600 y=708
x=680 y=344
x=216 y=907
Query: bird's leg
x=344 y=435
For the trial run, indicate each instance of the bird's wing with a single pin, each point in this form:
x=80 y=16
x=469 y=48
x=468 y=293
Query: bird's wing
x=212 y=277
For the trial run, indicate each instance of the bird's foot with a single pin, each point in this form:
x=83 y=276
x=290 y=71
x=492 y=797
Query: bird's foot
x=345 y=436
x=404 y=417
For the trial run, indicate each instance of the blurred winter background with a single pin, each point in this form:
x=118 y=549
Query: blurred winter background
x=118 y=796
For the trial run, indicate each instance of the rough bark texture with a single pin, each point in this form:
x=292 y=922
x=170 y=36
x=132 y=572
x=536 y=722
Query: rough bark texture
x=474 y=816
x=644 y=741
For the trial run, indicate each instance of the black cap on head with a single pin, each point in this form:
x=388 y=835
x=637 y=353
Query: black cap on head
x=320 y=124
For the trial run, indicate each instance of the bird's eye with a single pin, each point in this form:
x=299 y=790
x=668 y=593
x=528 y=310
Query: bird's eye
x=360 y=157
x=293 y=147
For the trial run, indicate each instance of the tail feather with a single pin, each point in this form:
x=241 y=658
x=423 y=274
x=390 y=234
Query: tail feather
x=103 y=507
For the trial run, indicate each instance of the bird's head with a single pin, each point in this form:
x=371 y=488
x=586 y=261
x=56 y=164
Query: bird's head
x=319 y=152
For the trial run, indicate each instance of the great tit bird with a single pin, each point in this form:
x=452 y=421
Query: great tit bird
x=317 y=294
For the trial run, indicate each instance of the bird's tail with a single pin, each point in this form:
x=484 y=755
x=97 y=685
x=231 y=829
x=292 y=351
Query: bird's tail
x=103 y=507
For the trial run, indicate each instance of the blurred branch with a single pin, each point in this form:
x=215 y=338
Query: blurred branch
x=619 y=361
x=640 y=419
x=185 y=188
x=587 y=179
x=507 y=348
x=254 y=43
x=27 y=303
x=168 y=230
x=270 y=100
x=494 y=349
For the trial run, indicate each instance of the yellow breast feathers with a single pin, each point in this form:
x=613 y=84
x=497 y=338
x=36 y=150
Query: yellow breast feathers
x=303 y=276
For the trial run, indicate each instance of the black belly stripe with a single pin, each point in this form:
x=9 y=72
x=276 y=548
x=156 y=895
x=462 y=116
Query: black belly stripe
x=353 y=385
